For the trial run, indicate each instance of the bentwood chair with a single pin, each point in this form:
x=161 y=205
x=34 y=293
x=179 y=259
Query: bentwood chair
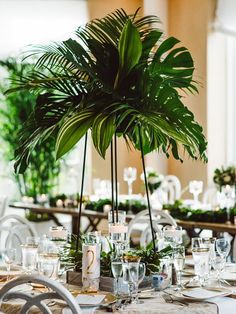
x=13 y=232
x=140 y=224
x=41 y=301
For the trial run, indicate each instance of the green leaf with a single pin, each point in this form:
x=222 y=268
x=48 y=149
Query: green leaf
x=72 y=131
x=130 y=49
x=104 y=128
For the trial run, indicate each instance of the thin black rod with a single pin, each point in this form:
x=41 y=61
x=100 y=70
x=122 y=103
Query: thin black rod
x=81 y=192
x=147 y=192
x=116 y=180
x=112 y=183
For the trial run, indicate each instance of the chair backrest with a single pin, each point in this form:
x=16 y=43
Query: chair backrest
x=13 y=232
x=210 y=196
x=172 y=186
x=160 y=218
x=55 y=291
x=3 y=205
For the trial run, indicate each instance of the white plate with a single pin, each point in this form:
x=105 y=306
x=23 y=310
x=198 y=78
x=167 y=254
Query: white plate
x=206 y=293
x=147 y=295
x=228 y=276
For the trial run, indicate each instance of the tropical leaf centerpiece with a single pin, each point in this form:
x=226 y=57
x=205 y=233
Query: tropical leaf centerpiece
x=118 y=77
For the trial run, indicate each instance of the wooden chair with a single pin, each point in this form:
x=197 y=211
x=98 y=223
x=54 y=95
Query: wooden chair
x=140 y=224
x=55 y=291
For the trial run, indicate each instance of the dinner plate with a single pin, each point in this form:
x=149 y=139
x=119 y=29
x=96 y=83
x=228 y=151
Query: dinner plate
x=109 y=298
x=228 y=276
x=147 y=295
x=200 y=294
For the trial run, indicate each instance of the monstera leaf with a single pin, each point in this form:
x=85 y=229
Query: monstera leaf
x=118 y=77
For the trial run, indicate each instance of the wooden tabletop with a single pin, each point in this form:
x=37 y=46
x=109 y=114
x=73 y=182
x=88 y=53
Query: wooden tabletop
x=74 y=212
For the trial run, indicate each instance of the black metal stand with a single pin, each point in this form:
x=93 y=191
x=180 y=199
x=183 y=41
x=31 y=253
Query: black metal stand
x=112 y=184
x=147 y=192
x=81 y=192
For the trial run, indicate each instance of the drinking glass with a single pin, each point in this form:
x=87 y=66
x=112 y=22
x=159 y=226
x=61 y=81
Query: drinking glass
x=116 y=267
x=9 y=257
x=173 y=235
x=137 y=279
x=229 y=196
x=223 y=247
x=130 y=175
x=201 y=263
x=48 y=261
x=195 y=188
x=196 y=243
x=210 y=243
x=118 y=236
x=179 y=260
x=59 y=235
x=130 y=275
x=218 y=266
x=121 y=219
x=29 y=257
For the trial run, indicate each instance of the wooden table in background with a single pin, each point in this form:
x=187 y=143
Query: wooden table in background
x=94 y=217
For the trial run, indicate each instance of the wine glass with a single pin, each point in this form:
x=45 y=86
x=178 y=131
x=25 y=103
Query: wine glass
x=173 y=235
x=179 y=259
x=130 y=175
x=130 y=275
x=229 y=197
x=223 y=247
x=195 y=188
x=116 y=267
x=9 y=257
x=218 y=266
x=137 y=278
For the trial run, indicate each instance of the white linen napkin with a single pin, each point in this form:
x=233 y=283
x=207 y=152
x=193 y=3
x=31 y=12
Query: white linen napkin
x=225 y=305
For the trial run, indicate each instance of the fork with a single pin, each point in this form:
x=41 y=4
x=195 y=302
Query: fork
x=168 y=299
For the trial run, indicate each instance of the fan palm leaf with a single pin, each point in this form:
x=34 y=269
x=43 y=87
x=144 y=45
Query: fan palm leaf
x=118 y=76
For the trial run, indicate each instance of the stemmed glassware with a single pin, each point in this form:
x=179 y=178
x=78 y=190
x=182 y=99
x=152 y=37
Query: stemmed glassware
x=223 y=247
x=9 y=257
x=179 y=259
x=173 y=235
x=116 y=267
x=229 y=196
x=130 y=175
x=195 y=188
x=137 y=278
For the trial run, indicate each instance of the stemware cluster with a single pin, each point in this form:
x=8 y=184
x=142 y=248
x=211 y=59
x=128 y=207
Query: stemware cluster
x=209 y=254
x=43 y=254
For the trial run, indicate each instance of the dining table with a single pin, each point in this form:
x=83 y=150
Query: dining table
x=152 y=302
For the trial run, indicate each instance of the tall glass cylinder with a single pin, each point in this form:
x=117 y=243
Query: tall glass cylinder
x=91 y=263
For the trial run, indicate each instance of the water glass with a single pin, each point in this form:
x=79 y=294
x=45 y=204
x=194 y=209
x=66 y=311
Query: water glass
x=29 y=257
x=48 y=260
x=173 y=235
x=118 y=236
x=201 y=263
x=179 y=260
x=121 y=219
x=59 y=235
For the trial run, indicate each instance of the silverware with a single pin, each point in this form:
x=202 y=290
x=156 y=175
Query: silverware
x=169 y=299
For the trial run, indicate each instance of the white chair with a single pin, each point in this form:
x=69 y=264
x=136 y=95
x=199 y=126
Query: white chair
x=13 y=232
x=55 y=291
x=141 y=224
x=172 y=188
x=210 y=196
x=3 y=205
